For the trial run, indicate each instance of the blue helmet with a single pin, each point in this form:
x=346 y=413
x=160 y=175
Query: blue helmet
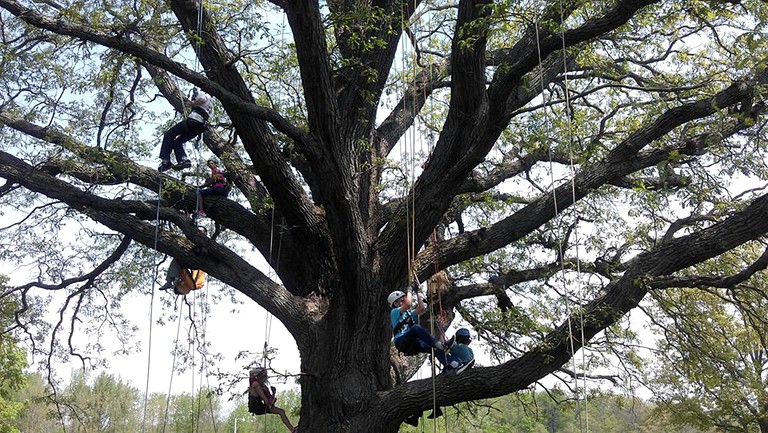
x=463 y=332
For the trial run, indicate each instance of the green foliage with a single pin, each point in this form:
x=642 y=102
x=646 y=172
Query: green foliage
x=13 y=360
x=104 y=405
x=712 y=349
x=539 y=413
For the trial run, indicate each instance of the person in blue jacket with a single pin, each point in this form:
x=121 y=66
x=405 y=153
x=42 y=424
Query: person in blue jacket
x=409 y=337
x=461 y=356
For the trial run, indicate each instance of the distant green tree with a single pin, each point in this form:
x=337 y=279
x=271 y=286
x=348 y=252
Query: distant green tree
x=13 y=360
x=154 y=417
x=199 y=413
x=38 y=413
x=552 y=413
x=711 y=368
x=106 y=406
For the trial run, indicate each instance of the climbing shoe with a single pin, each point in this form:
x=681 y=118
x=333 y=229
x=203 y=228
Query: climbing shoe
x=465 y=366
x=183 y=164
x=165 y=166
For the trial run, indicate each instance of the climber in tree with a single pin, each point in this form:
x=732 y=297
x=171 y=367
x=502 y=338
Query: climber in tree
x=215 y=185
x=181 y=279
x=187 y=129
x=262 y=397
x=409 y=337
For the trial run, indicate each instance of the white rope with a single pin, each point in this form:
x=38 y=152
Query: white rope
x=152 y=303
x=580 y=391
x=173 y=370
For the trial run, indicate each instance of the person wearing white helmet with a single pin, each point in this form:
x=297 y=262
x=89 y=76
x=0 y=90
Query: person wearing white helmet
x=409 y=337
x=262 y=397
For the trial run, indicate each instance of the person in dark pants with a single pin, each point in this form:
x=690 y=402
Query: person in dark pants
x=187 y=129
x=409 y=337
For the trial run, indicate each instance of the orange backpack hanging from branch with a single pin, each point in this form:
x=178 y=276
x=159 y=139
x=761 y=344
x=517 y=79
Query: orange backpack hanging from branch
x=190 y=280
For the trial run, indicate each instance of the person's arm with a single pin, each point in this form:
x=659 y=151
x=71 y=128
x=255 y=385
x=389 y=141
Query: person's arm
x=420 y=306
x=258 y=389
x=407 y=301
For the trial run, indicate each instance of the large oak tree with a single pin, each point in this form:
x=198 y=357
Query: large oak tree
x=555 y=159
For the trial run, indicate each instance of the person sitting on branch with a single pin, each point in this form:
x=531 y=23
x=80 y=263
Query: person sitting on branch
x=461 y=356
x=187 y=129
x=262 y=397
x=215 y=185
x=183 y=280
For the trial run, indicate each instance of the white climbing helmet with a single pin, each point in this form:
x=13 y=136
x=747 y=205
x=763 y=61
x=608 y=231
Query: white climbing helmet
x=394 y=296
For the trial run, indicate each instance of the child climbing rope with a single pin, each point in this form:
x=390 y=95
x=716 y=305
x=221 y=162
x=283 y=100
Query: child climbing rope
x=215 y=185
x=409 y=337
x=187 y=129
x=262 y=398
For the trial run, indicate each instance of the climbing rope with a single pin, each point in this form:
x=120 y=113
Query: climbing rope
x=192 y=339
x=583 y=421
x=156 y=264
x=204 y=305
x=274 y=257
x=173 y=371
x=411 y=54
x=152 y=302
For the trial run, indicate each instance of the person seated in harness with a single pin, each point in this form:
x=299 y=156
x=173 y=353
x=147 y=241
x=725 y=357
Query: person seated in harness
x=461 y=356
x=409 y=337
x=457 y=360
x=187 y=129
x=262 y=397
x=215 y=185
x=181 y=279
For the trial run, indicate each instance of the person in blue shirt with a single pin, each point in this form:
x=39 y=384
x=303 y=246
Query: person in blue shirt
x=461 y=356
x=409 y=337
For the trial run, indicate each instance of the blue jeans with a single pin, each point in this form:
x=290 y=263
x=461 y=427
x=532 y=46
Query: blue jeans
x=418 y=340
x=174 y=139
x=221 y=190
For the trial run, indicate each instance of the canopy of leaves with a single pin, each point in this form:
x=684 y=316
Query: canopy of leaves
x=545 y=163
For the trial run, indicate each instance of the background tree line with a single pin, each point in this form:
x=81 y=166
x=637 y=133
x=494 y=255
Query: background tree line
x=105 y=404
